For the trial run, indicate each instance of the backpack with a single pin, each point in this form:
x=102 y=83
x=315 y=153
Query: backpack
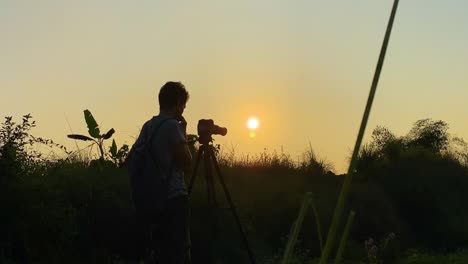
x=149 y=186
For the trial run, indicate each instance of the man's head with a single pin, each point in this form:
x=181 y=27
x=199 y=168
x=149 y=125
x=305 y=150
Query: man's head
x=173 y=97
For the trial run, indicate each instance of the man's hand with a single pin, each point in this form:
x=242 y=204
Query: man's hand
x=183 y=124
x=182 y=152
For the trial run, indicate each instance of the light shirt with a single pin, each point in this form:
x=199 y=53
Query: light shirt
x=167 y=136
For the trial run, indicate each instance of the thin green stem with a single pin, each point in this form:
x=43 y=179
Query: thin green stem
x=317 y=222
x=344 y=238
x=329 y=245
x=296 y=229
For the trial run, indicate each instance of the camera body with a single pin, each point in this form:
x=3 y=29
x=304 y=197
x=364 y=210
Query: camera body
x=206 y=128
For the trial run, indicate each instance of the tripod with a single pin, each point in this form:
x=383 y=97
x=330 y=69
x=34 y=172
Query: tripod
x=206 y=151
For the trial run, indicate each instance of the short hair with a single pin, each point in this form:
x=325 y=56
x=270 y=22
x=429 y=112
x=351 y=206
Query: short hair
x=171 y=94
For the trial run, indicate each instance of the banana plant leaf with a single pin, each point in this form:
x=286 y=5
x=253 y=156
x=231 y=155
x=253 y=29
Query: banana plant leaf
x=113 y=149
x=93 y=128
x=80 y=137
x=108 y=134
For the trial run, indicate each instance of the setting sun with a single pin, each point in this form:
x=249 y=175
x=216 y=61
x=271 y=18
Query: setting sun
x=252 y=123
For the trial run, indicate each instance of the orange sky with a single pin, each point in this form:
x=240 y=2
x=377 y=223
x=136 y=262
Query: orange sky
x=304 y=68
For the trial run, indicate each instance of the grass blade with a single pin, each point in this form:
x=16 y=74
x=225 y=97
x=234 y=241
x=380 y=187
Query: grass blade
x=317 y=222
x=344 y=238
x=329 y=245
x=296 y=229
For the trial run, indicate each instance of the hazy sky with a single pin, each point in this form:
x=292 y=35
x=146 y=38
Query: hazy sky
x=304 y=68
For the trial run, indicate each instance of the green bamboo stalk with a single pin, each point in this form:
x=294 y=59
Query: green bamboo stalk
x=295 y=229
x=344 y=238
x=317 y=222
x=347 y=181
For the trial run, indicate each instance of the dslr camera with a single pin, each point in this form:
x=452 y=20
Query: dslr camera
x=206 y=128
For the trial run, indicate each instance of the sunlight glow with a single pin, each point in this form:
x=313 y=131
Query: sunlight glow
x=252 y=123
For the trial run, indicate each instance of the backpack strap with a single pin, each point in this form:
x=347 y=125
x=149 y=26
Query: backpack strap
x=156 y=129
x=171 y=166
x=148 y=142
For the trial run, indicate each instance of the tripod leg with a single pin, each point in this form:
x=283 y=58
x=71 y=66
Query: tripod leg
x=231 y=204
x=209 y=178
x=190 y=189
x=194 y=173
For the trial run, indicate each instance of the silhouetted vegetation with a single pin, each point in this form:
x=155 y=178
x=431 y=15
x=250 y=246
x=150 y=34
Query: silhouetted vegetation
x=408 y=193
x=117 y=156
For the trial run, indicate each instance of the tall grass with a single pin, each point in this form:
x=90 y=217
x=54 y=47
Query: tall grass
x=70 y=210
x=346 y=185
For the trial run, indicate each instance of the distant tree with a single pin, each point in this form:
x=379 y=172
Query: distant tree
x=423 y=177
x=381 y=136
x=425 y=133
x=459 y=150
x=429 y=134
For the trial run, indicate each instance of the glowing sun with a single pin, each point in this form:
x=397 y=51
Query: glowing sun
x=252 y=123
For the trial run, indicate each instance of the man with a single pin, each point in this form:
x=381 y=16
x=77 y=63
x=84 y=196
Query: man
x=166 y=230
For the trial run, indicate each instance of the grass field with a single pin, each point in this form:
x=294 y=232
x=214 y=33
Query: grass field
x=408 y=198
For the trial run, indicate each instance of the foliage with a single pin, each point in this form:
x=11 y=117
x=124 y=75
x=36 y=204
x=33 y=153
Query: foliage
x=98 y=139
x=376 y=250
x=423 y=257
x=118 y=156
x=18 y=156
x=425 y=133
x=420 y=174
x=66 y=211
x=458 y=149
x=429 y=134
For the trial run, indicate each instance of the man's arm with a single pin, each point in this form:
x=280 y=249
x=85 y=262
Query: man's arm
x=183 y=157
x=182 y=152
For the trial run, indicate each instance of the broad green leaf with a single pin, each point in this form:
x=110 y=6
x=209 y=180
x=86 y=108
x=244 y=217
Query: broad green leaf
x=93 y=128
x=113 y=149
x=108 y=134
x=79 y=137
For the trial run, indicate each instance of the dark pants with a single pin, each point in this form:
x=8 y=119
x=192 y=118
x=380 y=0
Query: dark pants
x=165 y=235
